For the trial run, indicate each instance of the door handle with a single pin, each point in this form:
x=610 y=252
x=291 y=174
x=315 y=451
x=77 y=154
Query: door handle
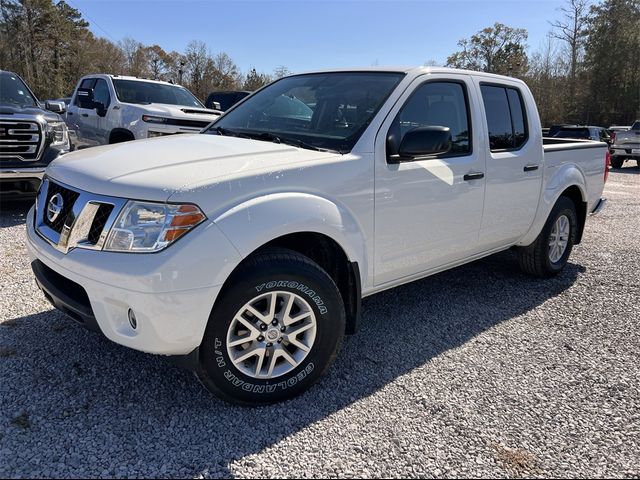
x=84 y=114
x=530 y=168
x=473 y=176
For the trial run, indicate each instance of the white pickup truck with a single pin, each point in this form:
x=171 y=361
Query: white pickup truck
x=107 y=109
x=244 y=251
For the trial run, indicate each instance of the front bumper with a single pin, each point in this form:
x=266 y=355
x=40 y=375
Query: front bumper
x=171 y=298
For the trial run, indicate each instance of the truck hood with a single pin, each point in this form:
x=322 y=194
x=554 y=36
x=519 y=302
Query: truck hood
x=180 y=111
x=154 y=169
x=21 y=113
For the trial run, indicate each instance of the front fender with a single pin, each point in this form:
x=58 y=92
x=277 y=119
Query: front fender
x=557 y=181
x=255 y=222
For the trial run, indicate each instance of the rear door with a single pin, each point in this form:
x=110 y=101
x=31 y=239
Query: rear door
x=514 y=164
x=428 y=211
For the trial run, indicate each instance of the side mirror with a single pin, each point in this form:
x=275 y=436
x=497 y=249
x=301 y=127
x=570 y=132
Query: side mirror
x=84 y=98
x=421 y=142
x=56 y=107
x=216 y=106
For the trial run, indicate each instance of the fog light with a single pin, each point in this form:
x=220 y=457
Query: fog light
x=132 y=319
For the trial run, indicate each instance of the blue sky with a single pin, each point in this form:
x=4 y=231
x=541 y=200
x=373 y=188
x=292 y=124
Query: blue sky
x=313 y=34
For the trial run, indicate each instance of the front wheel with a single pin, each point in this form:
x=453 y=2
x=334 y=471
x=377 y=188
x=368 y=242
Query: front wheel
x=276 y=328
x=549 y=253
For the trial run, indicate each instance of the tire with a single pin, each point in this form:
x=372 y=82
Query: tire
x=282 y=275
x=539 y=259
x=616 y=162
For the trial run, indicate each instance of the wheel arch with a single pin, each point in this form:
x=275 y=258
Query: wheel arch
x=120 y=135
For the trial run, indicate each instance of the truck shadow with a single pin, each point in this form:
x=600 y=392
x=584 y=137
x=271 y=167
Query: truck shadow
x=77 y=388
x=14 y=212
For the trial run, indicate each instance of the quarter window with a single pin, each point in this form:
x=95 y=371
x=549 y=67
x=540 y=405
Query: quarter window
x=434 y=104
x=506 y=118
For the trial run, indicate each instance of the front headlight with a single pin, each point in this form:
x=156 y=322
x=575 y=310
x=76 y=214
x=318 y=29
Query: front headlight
x=57 y=134
x=152 y=119
x=151 y=227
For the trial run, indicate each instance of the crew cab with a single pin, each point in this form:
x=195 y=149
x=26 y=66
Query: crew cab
x=32 y=135
x=107 y=109
x=626 y=146
x=244 y=251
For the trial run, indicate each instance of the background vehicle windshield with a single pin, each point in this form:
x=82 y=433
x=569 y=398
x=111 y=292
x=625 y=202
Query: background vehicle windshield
x=13 y=91
x=135 y=91
x=325 y=110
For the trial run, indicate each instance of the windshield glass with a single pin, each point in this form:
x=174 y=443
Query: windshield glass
x=14 y=92
x=135 y=91
x=320 y=110
x=636 y=125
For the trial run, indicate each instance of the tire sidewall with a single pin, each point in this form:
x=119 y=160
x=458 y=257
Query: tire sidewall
x=317 y=289
x=564 y=207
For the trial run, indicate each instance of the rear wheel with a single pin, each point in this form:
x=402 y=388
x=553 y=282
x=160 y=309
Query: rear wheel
x=276 y=328
x=549 y=253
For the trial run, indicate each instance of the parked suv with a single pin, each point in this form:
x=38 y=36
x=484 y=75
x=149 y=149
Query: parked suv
x=30 y=136
x=598 y=134
x=111 y=109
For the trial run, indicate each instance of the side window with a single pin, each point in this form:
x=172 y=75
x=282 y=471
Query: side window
x=434 y=104
x=86 y=83
x=101 y=93
x=506 y=118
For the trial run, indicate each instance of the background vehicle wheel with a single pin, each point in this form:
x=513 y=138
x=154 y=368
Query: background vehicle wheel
x=549 y=253
x=275 y=329
x=617 y=162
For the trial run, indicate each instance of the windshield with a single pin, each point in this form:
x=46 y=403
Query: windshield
x=13 y=91
x=320 y=111
x=135 y=91
x=636 y=125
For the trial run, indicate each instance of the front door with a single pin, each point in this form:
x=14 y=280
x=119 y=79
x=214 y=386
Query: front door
x=428 y=212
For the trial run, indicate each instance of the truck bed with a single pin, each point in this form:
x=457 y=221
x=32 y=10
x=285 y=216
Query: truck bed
x=587 y=156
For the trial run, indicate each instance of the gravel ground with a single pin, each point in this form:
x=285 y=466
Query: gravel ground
x=479 y=371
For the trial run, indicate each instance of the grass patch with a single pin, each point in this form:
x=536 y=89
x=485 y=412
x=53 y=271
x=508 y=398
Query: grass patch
x=517 y=460
x=22 y=420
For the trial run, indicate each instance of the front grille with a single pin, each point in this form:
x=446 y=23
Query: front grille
x=69 y=197
x=99 y=221
x=187 y=123
x=20 y=139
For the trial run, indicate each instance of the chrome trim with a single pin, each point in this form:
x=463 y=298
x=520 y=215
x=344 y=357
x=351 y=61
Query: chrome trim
x=33 y=172
x=36 y=145
x=77 y=225
x=599 y=206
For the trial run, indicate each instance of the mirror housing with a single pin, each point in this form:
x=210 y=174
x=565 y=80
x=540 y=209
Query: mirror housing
x=216 y=106
x=421 y=142
x=84 y=98
x=56 y=107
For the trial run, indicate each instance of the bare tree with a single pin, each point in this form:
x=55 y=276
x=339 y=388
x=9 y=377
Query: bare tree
x=571 y=29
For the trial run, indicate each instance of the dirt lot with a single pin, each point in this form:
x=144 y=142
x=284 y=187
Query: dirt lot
x=480 y=371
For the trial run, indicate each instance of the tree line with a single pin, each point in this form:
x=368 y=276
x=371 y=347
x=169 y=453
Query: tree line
x=587 y=72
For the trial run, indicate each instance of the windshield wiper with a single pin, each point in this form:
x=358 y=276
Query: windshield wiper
x=229 y=133
x=268 y=136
